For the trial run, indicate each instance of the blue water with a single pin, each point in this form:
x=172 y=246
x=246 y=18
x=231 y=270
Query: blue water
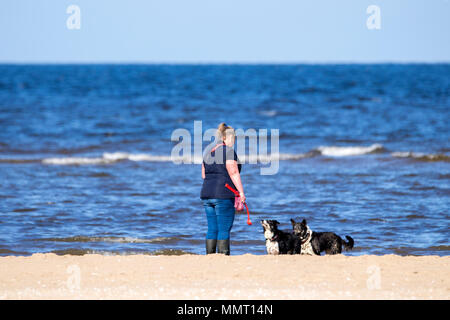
x=84 y=155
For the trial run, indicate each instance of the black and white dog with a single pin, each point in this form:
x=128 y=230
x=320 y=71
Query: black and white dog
x=279 y=242
x=313 y=243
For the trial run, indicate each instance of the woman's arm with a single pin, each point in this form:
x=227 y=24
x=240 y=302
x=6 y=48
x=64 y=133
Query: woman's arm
x=233 y=171
x=203 y=171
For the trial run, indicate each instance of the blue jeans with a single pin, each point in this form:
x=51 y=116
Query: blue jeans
x=220 y=217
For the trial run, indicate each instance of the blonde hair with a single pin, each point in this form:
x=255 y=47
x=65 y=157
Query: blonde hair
x=223 y=130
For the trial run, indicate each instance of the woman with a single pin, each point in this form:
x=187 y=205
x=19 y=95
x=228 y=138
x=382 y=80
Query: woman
x=220 y=166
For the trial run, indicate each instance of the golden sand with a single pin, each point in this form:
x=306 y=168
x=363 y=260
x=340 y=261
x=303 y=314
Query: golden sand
x=49 y=276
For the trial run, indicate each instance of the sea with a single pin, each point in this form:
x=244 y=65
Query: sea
x=87 y=166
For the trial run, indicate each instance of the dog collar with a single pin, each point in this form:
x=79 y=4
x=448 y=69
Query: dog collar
x=274 y=238
x=307 y=239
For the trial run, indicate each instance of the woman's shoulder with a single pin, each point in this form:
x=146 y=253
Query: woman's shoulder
x=230 y=153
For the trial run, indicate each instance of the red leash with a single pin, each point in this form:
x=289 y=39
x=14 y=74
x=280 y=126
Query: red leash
x=236 y=193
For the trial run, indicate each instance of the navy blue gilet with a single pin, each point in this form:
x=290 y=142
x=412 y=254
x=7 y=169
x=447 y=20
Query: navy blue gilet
x=216 y=174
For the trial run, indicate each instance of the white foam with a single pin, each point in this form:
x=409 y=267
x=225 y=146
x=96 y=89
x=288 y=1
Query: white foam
x=119 y=156
x=150 y=157
x=113 y=157
x=116 y=156
x=269 y=113
x=272 y=157
x=109 y=239
x=75 y=161
x=127 y=239
x=335 y=151
x=292 y=156
x=402 y=154
x=418 y=155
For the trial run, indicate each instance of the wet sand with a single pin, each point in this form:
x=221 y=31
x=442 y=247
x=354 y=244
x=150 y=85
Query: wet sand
x=49 y=276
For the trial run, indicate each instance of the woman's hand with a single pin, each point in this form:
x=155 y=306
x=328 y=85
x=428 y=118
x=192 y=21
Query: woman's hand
x=242 y=196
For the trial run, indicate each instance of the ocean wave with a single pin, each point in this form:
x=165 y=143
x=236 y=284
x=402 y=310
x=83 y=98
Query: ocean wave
x=327 y=151
x=117 y=156
x=268 y=113
x=76 y=161
x=108 y=158
x=336 y=151
x=273 y=157
x=421 y=156
x=111 y=239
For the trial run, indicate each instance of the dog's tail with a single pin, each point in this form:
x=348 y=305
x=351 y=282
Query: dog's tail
x=348 y=245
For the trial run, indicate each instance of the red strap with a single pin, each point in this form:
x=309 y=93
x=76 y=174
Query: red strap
x=248 y=215
x=214 y=149
x=236 y=193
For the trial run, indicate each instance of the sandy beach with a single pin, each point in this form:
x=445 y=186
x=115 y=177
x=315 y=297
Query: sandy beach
x=49 y=276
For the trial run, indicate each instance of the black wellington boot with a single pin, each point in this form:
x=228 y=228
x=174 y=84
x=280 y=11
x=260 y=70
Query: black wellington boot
x=211 y=246
x=223 y=246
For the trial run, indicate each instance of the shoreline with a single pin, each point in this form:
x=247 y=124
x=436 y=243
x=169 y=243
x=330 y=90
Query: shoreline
x=93 y=276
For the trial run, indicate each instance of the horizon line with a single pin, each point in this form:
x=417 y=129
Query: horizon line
x=74 y=62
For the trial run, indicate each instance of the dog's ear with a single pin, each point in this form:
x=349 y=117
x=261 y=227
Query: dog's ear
x=293 y=222
x=304 y=222
x=276 y=222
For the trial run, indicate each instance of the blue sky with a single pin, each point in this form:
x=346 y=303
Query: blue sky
x=224 y=31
